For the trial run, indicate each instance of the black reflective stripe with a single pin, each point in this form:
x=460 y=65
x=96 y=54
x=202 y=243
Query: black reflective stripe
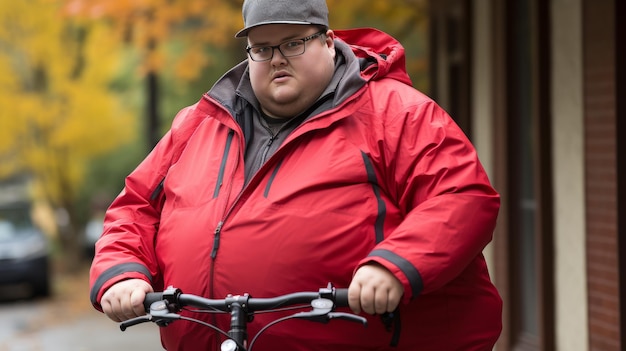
x=157 y=191
x=220 y=177
x=113 y=272
x=412 y=274
x=271 y=180
x=382 y=208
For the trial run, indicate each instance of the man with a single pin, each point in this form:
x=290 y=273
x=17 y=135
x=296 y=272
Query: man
x=313 y=161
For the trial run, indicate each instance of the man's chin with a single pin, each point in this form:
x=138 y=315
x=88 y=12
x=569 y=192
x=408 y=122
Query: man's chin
x=283 y=108
x=284 y=96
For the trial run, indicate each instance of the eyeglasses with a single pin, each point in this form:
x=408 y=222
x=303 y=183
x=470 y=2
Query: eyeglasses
x=289 y=48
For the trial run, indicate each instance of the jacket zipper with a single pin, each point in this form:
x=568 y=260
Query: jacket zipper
x=218 y=229
x=267 y=148
x=216 y=239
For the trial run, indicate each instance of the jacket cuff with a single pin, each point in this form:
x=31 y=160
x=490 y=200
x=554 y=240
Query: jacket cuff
x=413 y=276
x=121 y=272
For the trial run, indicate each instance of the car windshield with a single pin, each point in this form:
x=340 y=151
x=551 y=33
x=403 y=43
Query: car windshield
x=14 y=221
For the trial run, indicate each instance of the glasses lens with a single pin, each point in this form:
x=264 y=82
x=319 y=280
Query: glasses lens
x=292 y=48
x=261 y=53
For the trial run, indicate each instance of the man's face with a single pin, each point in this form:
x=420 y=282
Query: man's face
x=286 y=86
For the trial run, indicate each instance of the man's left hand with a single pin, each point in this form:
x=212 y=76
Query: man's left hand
x=374 y=290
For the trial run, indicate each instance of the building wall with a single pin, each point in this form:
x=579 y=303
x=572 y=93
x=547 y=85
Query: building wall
x=568 y=156
x=599 y=49
x=568 y=177
x=481 y=90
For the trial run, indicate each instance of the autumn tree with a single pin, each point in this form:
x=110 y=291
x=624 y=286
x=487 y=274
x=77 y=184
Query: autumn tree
x=169 y=35
x=57 y=111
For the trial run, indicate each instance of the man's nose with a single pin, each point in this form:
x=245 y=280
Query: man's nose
x=277 y=56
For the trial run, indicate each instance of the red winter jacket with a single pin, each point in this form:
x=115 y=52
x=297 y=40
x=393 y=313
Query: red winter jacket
x=382 y=175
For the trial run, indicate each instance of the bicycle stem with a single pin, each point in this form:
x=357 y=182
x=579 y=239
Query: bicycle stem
x=238 y=322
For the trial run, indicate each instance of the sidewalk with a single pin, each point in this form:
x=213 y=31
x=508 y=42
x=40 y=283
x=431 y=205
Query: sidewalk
x=67 y=322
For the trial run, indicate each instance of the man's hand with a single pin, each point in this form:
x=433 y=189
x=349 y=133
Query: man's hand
x=124 y=300
x=374 y=290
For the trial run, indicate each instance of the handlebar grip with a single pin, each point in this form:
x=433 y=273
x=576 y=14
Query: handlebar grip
x=341 y=297
x=150 y=298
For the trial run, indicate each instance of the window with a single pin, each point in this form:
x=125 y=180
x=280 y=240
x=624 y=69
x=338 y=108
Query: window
x=526 y=257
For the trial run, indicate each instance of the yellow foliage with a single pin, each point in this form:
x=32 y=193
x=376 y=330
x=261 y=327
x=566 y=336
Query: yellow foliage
x=57 y=112
x=150 y=24
x=189 y=61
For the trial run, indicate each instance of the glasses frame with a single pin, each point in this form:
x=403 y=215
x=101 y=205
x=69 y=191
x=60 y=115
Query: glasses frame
x=274 y=47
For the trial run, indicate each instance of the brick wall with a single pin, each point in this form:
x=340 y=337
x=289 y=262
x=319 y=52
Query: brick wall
x=600 y=173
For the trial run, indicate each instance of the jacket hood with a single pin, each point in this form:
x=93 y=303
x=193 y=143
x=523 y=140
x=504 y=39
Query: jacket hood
x=375 y=46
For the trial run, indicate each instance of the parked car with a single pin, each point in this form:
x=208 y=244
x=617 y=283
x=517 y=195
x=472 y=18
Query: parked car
x=24 y=250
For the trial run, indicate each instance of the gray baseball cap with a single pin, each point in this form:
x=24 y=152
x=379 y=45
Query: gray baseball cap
x=259 y=12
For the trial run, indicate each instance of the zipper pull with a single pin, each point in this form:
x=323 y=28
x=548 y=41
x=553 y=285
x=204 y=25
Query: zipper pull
x=216 y=239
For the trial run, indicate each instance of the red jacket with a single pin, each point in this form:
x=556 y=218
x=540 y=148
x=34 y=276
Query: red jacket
x=384 y=175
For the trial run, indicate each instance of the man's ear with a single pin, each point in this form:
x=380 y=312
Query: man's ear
x=330 y=40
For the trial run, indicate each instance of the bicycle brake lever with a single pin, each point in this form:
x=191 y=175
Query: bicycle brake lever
x=314 y=316
x=160 y=314
x=162 y=317
x=348 y=316
x=319 y=313
x=134 y=321
x=325 y=316
x=159 y=317
x=323 y=312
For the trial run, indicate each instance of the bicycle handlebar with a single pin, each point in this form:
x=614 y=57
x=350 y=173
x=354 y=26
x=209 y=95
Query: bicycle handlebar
x=176 y=300
x=162 y=309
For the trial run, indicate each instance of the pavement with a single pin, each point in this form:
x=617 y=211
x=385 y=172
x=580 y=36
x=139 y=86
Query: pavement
x=65 y=322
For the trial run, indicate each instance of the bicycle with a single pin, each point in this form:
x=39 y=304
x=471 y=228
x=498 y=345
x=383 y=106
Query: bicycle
x=162 y=309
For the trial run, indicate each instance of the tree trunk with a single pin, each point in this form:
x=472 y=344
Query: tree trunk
x=152 y=109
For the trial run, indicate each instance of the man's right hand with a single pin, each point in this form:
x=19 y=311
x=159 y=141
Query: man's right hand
x=124 y=300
